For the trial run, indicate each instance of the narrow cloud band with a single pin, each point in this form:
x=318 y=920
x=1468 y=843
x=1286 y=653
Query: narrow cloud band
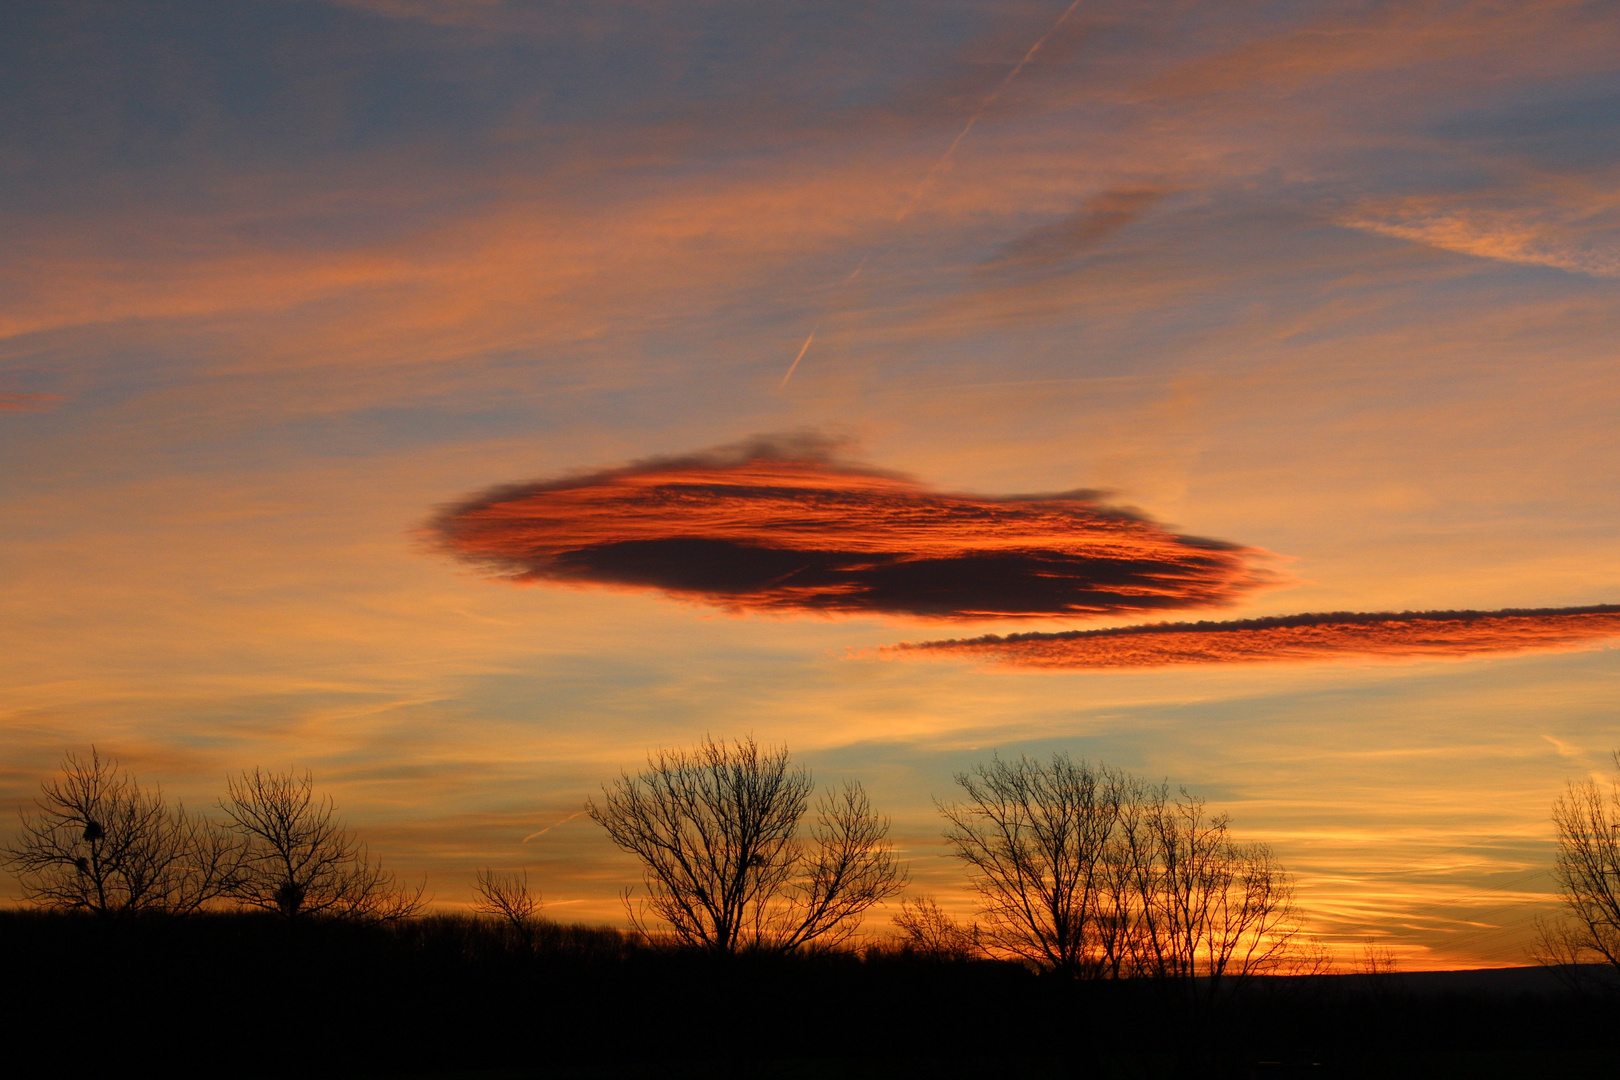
x=779 y=525
x=1326 y=636
x=28 y=402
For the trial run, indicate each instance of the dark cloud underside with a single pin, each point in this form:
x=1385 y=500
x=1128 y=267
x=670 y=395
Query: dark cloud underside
x=779 y=526
x=1292 y=638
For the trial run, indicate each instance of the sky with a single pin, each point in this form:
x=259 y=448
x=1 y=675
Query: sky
x=459 y=399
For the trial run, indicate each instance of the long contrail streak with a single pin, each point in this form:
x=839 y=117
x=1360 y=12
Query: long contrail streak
x=553 y=825
x=795 y=365
x=950 y=152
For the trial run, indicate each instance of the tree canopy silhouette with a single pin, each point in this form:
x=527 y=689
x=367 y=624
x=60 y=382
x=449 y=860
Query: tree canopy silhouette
x=506 y=896
x=100 y=842
x=717 y=830
x=299 y=860
x=1587 y=868
x=1089 y=872
x=1033 y=837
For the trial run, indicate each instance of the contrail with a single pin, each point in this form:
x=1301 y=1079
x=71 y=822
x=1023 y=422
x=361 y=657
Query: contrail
x=802 y=350
x=950 y=152
x=553 y=825
x=916 y=196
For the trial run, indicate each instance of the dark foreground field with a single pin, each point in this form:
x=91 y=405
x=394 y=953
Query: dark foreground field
x=234 y=995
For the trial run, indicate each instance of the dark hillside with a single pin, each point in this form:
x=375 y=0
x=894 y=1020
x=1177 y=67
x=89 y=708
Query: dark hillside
x=251 y=996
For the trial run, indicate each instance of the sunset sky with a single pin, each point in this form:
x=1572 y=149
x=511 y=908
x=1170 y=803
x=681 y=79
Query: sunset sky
x=461 y=398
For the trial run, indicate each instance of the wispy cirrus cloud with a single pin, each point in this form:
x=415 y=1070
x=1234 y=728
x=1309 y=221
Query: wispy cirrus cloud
x=1296 y=638
x=29 y=402
x=780 y=525
x=476 y=13
x=1103 y=215
x=1582 y=238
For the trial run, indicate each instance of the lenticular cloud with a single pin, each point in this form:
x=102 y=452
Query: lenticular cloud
x=1342 y=634
x=781 y=526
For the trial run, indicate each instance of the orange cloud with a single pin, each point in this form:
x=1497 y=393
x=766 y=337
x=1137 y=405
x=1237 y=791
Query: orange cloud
x=1323 y=636
x=779 y=526
x=1572 y=229
x=1353 y=41
x=28 y=402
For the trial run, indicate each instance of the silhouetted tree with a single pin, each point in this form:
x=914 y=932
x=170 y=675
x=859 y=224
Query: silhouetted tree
x=1377 y=972
x=1034 y=837
x=717 y=831
x=1089 y=872
x=298 y=859
x=506 y=896
x=101 y=843
x=1200 y=912
x=1587 y=868
x=925 y=929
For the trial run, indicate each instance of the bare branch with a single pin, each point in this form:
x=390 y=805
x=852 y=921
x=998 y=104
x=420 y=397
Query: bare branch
x=926 y=930
x=1587 y=868
x=506 y=896
x=1034 y=837
x=1092 y=873
x=717 y=831
x=101 y=843
x=299 y=860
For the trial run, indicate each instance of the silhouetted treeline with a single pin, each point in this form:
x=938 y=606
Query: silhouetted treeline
x=98 y=841
x=253 y=994
x=1121 y=933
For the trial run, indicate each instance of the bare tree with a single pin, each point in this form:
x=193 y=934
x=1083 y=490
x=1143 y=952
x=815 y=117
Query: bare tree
x=298 y=858
x=506 y=896
x=1587 y=868
x=1209 y=911
x=1034 y=837
x=1377 y=961
x=850 y=868
x=717 y=831
x=101 y=843
x=927 y=930
x=1089 y=872
x=1378 y=972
